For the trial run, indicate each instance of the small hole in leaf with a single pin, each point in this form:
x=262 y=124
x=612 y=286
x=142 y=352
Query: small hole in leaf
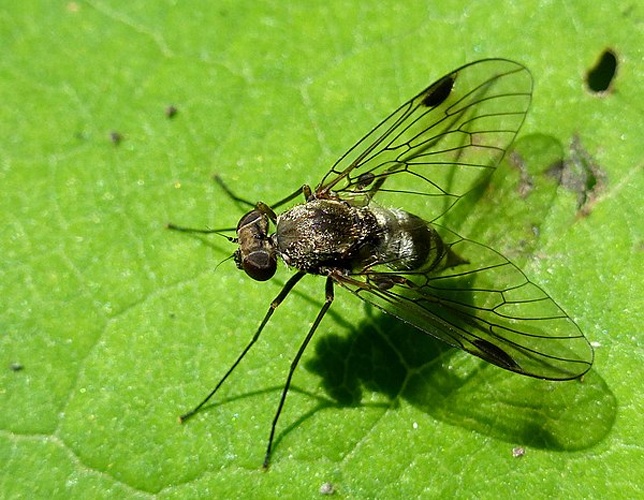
x=600 y=77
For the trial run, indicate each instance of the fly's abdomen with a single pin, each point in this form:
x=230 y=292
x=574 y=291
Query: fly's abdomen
x=408 y=243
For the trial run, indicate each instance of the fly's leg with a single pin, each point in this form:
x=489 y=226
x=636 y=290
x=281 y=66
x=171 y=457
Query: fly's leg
x=276 y=302
x=305 y=190
x=183 y=229
x=229 y=192
x=327 y=303
x=262 y=207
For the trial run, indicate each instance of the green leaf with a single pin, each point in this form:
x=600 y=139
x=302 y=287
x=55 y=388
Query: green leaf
x=120 y=325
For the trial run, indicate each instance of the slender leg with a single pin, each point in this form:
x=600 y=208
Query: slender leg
x=327 y=303
x=230 y=194
x=182 y=229
x=306 y=190
x=267 y=209
x=276 y=302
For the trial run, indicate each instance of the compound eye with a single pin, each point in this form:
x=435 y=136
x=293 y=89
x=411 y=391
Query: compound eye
x=260 y=265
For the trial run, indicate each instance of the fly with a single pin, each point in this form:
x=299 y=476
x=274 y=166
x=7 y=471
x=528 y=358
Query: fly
x=438 y=146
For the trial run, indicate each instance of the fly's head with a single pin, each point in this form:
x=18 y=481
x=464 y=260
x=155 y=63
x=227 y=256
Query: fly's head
x=256 y=253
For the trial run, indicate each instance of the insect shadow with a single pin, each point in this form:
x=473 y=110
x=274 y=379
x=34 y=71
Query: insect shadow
x=378 y=355
x=385 y=356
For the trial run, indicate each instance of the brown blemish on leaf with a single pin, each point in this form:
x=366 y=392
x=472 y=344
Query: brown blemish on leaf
x=581 y=174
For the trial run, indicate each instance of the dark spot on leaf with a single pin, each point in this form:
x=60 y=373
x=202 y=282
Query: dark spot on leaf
x=581 y=174
x=439 y=92
x=600 y=77
x=554 y=170
x=526 y=183
x=116 y=137
x=171 y=111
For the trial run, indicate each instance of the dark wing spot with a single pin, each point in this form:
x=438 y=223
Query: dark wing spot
x=495 y=355
x=364 y=180
x=383 y=283
x=601 y=76
x=439 y=91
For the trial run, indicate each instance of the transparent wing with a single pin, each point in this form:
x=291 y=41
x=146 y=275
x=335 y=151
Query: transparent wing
x=443 y=141
x=484 y=305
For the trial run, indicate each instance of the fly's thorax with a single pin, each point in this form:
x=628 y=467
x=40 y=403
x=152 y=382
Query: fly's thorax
x=256 y=252
x=408 y=241
x=323 y=234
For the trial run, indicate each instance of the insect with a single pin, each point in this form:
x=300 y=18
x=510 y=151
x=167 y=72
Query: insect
x=436 y=147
